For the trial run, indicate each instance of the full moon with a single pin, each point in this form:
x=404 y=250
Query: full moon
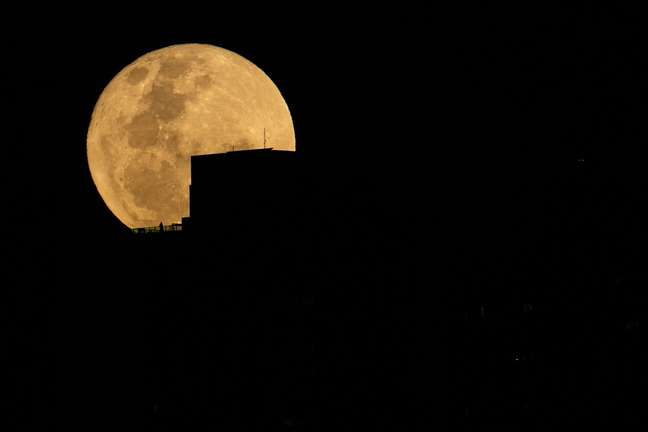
x=168 y=105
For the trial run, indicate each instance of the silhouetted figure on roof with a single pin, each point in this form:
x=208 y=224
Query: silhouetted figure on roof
x=161 y=227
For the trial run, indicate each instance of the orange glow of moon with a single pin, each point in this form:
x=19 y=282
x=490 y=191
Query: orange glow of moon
x=170 y=104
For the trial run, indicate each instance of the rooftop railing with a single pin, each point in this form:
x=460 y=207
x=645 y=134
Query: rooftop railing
x=157 y=229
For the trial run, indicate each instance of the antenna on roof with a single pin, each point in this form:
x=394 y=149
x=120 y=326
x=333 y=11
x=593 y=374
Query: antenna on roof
x=264 y=138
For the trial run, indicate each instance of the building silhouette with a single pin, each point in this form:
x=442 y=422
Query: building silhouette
x=239 y=189
x=280 y=261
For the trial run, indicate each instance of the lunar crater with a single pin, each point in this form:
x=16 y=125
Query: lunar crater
x=137 y=75
x=174 y=67
x=164 y=103
x=203 y=81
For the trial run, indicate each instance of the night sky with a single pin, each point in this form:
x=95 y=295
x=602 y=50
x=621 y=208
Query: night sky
x=508 y=146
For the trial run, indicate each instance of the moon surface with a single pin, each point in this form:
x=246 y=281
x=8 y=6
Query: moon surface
x=168 y=105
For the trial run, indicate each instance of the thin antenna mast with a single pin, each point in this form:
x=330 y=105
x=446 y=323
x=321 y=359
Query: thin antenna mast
x=264 y=138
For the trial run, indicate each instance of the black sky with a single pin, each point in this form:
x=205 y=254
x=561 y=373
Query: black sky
x=447 y=90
